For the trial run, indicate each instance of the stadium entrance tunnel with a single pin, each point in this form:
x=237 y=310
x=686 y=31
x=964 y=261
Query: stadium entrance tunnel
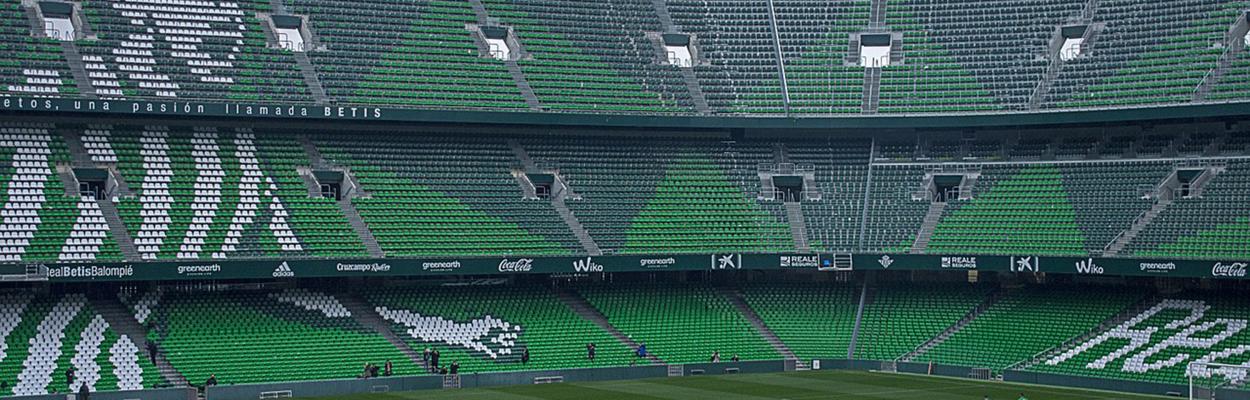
x=789 y=187
x=329 y=184
x=94 y=182
x=945 y=187
x=544 y=184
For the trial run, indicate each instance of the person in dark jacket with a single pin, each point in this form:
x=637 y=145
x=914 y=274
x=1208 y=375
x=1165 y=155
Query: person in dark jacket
x=212 y=381
x=434 y=358
x=387 y=371
x=152 y=350
x=69 y=377
x=455 y=367
x=84 y=392
x=525 y=356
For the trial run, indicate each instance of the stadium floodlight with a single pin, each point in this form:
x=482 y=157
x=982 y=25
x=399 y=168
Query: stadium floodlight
x=1206 y=379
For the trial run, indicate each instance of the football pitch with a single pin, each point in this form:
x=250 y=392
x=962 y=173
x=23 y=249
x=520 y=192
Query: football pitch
x=851 y=385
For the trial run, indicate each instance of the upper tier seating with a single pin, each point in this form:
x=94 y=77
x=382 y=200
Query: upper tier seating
x=405 y=53
x=593 y=55
x=33 y=66
x=187 y=50
x=205 y=194
x=1149 y=52
x=815 y=36
x=1215 y=224
x=740 y=75
x=434 y=196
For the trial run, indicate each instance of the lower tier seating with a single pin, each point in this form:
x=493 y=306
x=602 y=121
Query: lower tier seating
x=899 y=318
x=679 y=323
x=268 y=336
x=1022 y=323
x=813 y=319
x=1159 y=343
x=488 y=328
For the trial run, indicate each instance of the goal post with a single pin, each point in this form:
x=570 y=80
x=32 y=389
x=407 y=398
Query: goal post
x=1207 y=380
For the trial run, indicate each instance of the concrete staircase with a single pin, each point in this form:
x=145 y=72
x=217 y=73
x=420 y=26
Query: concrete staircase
x=745 y=309
x=661 y=12
x=798 y=226
x=479 y=10
x=521 y=83
x=696 y=91
x=277 y=7
x=367 y=316
x=314 y=155
x=931 y=219
x=1117 y=245
x=522 y=156
x=68 y=180
x=575 y=225
x=81 y=79
x=362 y=230
x=872 y=90
x=310 y=78
x=1213 y=77
x=592 y=314
x=117 y=228
x=76 y=150
x=122 y=320
x=310 y=183
x=958 y=326
x=1043 y=86
x=876 y=14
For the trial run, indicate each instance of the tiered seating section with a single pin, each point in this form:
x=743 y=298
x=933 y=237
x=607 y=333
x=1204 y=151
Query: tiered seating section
x=1024 y=211
x=602 y=56
x=251 y=335
x=1149 y=52
x=1158 y=344
x=267 y=336
x=1022 y=323
x=1216 y=225
x=899 y=318
x=435 y=197
x=405 y=53
x=814 y=319
x=46 y=334
x=488 y=328
x=214 y=193
x=679 y=323
x=209 y=194
x=593 y=56
x=187 y=50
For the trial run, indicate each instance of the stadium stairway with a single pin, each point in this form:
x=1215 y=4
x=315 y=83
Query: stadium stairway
x=314 y=155
x=558 y=201
x=358 y=225
x=696 y=91
x=1128 y=313
x=1116 y=246
x=74 y=60
x=527 y=91
x=735 y=298
x=798 y=226
x=118 y=229
x=989 y=301
x=931 y=219
x=368 y=317
x=584 y=309
x=311 y=79
x=123 y=321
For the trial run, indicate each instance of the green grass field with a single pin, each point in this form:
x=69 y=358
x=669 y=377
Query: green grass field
x=849 y=385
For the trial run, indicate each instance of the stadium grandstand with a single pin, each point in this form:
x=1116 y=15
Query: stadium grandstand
x=250 y=199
